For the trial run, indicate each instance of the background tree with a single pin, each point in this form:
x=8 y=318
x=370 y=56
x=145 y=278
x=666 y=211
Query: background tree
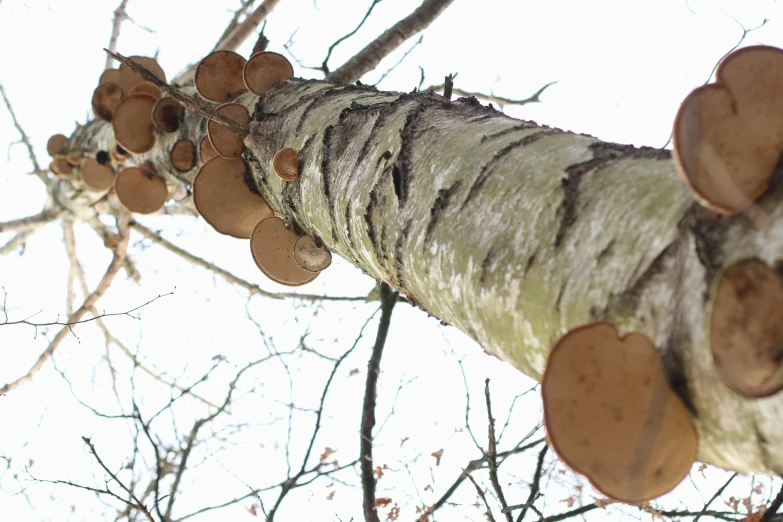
x=157 y=469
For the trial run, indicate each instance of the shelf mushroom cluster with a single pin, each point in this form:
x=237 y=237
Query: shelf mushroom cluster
x=221 y=192
x=728 y=136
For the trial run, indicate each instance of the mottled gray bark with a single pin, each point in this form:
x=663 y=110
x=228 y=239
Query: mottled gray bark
x=513 y=232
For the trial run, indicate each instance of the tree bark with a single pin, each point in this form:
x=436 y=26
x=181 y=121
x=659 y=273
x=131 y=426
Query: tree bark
x=516 y=233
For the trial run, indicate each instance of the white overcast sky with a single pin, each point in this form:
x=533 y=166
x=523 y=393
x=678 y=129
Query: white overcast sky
x=622 y=69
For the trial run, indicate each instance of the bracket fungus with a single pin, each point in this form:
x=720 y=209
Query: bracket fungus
x=109 y=75
x=311 y=256
x=206 y=152
x=183 y=155
x=225 y=142
x=96 y=176
x=105 y=99
x=129 y=79
x=286 y=164
x=146 y=88
x=132 y=123
x=265 y=69
x=57 y=144
x=272 y=246
x=167 y=114
x=728 y=136
x=611 y=415
x=224 y=199
x=60 y=167
x=140 y=189
x=119 y=154
x=746 y=334
x=219 y=76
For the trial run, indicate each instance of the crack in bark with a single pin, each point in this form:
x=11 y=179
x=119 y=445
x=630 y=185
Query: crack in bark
x=604 y=154
x=709 y=232
x=525 y=125
x=488 y=168
x=441 y=202
x=486 y=263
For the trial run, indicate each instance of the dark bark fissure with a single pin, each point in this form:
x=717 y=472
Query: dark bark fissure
x=441 y=202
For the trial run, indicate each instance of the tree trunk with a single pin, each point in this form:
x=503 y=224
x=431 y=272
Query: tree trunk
x=515 y=233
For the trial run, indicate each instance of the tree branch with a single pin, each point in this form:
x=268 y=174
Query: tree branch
x=499 y=100
x=369 y=57
x=119 y=16
x=103 y=285
x=24 y=139
x=492 y=456
x=388 y=300
x=243 y=30
x=325 y=64
x=228 y=276
x=31 y=222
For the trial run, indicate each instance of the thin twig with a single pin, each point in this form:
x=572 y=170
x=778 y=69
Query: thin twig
x=31 y=222
x=90 y=301
x=499 y=100
x=402 y=59
x=325 y=64
x=773 y=508
x=714 y=497
x=536 y=485
x=246 y=4
x=388 y=300
x=368 y=58
x=231 y=278
x=24 y=138
x=492 y=456
x=189 y=102
x=481 y=494
x=15 y=242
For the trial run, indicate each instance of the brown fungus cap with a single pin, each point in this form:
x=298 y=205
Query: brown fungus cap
x=129 y=79
x=206 y=152
x=224 y=141
x=61 y=167
x=272 y=246
x=132 y=123
x=57 y=144
x=146 y=88
x=265 y=69
x=728 y=136
x=746 y=333
x=183 y=155
x=109 y=75
x=311 y=256
x=105 y=99
x=140 y=189
x=119 y=154
x=286 y=164
x=167 y=114
x=611 y=415
x=224 y=200
x=219 y=76
x=96 y=176
x=74 y=157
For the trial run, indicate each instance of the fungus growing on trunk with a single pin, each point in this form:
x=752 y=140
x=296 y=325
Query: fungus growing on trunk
x=728 y=136
x=265 y=69
x=74 y=157
x=311 y=256
x=272 y=246
x=225 y=201
x=611 y=415
x=57 y=144
x=746 y=334
x=224 y=141
x=183 y=155
x=219 y=76
x=206 y=152
x=110 y=75
x=286 y=164
x=119 y=154
x=60 y=167
x=96 y=176
x=140 y=189
x=167 y=114
x=132 y=123
x=105 y=99
x=145 y=88
x=128 y=79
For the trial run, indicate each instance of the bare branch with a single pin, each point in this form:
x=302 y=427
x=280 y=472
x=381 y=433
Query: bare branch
x=481 y=494
x=773 y=508
x=388 y=300
x=239 y=13
x=536 y=485
x=31 y=222
x=369 y=57
x=119 y=16
x=499 y=100
x=402 y=59
x=24 y=138
x=242 y=31
x=492 y=456
x=15 y=242
x=90 y=301
x=325 y=64
x=228 y=276
x=189 y=102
